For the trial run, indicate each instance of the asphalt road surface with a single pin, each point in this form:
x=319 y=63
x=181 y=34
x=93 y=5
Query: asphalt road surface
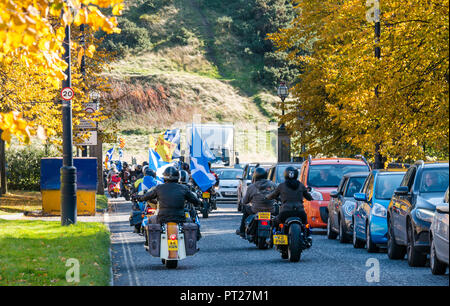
x=225 y=259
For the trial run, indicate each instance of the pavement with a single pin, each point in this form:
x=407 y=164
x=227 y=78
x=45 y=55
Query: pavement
x=225 y=259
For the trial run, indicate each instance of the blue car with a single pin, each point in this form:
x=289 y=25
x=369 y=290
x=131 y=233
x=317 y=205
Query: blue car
x=369 y=218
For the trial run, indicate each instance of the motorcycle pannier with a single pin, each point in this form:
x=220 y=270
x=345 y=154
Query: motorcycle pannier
x=190 y=238
x=154 y=239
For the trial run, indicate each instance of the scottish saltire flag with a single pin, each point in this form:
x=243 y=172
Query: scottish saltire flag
x=174 y=136
x=120 y=153
x=154 y=160
x=147 y=183
x=200 y=155
x=200 y=173
x=110 y=153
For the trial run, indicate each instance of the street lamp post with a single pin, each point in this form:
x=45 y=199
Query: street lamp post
x=68 y=171
x=284 y=141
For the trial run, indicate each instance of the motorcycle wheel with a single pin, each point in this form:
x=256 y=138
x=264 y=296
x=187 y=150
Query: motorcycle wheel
x=205 y=210
x=262 y=245
x=163 y=261
x=295 y=244
x=171 y=264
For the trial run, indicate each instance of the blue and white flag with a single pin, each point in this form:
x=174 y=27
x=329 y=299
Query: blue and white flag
x=199 y=147
x=174 y=137
x=154 y=160
x=110 y=153
x=200 y=173
x=120 y=153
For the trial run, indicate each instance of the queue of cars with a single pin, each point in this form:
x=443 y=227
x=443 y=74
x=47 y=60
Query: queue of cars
x=402 y=209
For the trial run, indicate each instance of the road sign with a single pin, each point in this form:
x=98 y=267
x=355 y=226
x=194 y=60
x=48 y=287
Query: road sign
x=88 y=124
x=91 y=141
x=67 y=94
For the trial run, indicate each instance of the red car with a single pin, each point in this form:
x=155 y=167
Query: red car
x=323 y=175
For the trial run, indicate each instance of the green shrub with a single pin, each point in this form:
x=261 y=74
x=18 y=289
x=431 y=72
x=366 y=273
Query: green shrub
x=24 y=167
x=101 y=202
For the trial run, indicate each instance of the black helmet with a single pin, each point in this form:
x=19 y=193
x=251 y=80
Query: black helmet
x=149 y=172
x=290 y=173
x=171 y=174
x=125 y=165
x=139 y=168
x=185 y=166
x=184 y=177
x=259 y=174
x=144 y=164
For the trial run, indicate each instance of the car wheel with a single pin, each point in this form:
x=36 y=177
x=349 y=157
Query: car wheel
x=330 y=233
x=415 y=258
x=437 y=267
x=343 y=238
x=394 y=250
x=357 y=243
x=370 y=246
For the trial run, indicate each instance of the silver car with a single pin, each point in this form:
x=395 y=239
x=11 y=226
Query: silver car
x=439 y=238
x=228 y=184
x=246 y=179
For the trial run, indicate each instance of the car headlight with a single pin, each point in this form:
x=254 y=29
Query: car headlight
x=425 y=214
x=349 y=208
x=379 y=210
x=317 y=196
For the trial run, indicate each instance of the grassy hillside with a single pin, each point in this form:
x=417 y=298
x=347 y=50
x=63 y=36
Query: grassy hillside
x=181 y=57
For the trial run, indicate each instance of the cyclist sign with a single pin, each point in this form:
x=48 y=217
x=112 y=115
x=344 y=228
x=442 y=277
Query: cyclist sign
x=67 y=94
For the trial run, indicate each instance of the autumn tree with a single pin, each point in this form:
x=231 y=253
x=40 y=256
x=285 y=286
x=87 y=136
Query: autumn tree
x=336 y=97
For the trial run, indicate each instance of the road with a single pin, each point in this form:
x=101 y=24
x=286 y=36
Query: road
x=225 y=259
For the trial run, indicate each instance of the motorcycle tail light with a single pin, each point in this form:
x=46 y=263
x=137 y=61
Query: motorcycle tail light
x=281 y=225
x=307 y=225
x=173 y=237
x=264 y=223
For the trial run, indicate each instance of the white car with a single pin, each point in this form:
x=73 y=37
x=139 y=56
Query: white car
x=439 y=238
x=228 y=184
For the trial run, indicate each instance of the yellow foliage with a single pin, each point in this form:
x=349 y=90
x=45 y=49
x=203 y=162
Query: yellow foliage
x=336 y=96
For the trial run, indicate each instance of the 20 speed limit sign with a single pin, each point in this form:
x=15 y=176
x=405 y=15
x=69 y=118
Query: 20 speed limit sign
x=67 y=94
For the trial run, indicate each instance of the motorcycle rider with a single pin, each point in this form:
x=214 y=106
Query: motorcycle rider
x=171 y=197
x=184 y=180
x=291 y=192
x=256 y=195
x=112 y=171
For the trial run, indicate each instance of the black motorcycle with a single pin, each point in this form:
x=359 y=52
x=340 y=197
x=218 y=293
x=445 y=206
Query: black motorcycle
x=206 y=200
x=290 y=238
x=258 y=229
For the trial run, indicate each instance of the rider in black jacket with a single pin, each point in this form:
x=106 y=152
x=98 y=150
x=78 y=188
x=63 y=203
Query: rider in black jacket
x=291 y=193
x=256 y=196
x=171 y=198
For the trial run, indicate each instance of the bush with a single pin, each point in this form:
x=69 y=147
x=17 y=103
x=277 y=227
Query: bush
x=24 y=168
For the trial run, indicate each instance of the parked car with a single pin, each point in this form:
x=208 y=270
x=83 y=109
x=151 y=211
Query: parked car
x=412 y=209
x=439 y=238
x=226 y=192
x=276 y=172
x=246 y=179
x=369 y=218
x=323 y=175
x=342 y=205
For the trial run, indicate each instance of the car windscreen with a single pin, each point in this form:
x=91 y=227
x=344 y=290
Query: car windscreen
x=354 y=186
x=280 y=172
x=331 y=175
x=386 y=184
x=229 y=174
x=434 y=180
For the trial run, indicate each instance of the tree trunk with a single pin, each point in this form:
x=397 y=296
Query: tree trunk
x=3 y=182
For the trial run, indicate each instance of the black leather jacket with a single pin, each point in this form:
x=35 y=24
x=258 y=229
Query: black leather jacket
x=171 y=198
x=290 y=199
x=256 y=195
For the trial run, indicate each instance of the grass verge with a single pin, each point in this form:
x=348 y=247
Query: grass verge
x=101 y=202
x=35 y=253
x=20 y=201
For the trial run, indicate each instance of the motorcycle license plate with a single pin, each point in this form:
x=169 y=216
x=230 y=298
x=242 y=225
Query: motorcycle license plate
x=116 y=190
x=280 y=239
x=264 y=216
x=186 y=214
x=172 y=245
x=206 y=195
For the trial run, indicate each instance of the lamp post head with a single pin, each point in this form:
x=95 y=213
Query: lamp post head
x=283 y=91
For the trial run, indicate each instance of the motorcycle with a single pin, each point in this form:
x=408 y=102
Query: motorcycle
x=206 y=199
x=290 y=238
x=172 y=241
x=114 y=186
x=127 y=189
x=258 y=229
x=192 y=216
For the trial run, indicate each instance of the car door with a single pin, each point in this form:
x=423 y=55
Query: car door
x=338 y=202
x=402 y=206
x=441 y=234
x=367 y=205
x=360 y=206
